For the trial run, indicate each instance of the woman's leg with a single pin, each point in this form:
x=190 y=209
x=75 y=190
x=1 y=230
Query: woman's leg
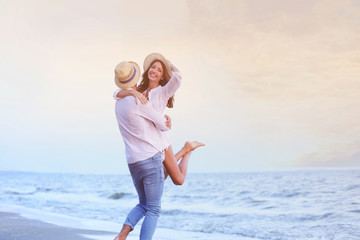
x=188 y=147
x=177 y=175
x=178 y=172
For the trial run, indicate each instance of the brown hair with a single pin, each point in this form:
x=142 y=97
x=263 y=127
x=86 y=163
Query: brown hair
x=144 y=84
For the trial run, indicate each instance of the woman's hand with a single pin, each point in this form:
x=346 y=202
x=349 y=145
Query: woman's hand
x=173 y=68
x=139 y=96
x=168 y=121
x=171 y=65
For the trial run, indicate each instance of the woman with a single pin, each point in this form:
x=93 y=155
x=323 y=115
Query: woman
x=160 y=81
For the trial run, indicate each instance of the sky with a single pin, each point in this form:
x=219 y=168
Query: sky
x=267 y=85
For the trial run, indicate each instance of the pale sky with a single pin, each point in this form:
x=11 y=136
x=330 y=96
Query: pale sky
x=266 y=84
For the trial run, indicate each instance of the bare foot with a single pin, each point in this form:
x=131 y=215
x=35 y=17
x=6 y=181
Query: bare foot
x=118 y=237
x=191 y=146
x=124 y=232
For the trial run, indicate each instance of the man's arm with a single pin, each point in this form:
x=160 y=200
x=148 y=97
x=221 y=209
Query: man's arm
x=147 y=111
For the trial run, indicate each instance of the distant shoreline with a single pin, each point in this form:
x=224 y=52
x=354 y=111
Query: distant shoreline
x=272 y=170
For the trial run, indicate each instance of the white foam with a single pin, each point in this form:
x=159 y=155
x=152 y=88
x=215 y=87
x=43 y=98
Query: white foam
x=99 y=225
x=99 y=237
x=61 y=220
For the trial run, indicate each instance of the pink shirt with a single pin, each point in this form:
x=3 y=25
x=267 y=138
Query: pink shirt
x=159 y=97
x=141 y=127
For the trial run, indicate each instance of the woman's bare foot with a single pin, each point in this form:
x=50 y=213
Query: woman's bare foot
x=191 y=146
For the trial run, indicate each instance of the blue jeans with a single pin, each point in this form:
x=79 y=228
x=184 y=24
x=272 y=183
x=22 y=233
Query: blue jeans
x=148 y=178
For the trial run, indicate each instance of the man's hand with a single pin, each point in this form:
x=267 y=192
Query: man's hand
x=168 y=121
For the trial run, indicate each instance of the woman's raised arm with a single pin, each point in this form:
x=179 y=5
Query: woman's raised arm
x=121 y=93
x=174 y=83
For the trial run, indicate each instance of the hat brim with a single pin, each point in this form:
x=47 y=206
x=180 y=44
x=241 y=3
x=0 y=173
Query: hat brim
x=157 y=56
x=133 y=81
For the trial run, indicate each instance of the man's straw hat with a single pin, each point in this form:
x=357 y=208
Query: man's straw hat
x=127 y=74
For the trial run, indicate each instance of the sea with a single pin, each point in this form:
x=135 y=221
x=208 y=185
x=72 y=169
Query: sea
x=296 y=204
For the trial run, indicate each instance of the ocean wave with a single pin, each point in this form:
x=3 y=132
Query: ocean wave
x=306 y=217
x=253 y=201
x=207 y=214
x=177 y=212
x=243 y=193
x=269 y=207
x=173 y=212
x=319 y=217
x=17 y=193
x=118 y=195
x=355 y=211
x=43 y=189
x=286 y=194
x=27 y=191
x=188 y=196
x=352 y=187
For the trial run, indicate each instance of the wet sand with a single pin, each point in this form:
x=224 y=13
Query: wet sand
x=15 y=227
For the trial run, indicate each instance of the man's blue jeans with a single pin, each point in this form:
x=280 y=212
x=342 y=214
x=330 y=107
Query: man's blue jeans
x=148 y=178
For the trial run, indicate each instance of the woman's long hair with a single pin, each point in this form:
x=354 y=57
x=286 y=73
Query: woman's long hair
x=144 y=84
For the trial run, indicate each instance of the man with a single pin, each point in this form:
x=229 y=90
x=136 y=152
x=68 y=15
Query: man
x=140 y=127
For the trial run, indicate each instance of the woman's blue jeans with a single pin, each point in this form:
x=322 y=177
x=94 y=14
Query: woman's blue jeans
x=148 y=178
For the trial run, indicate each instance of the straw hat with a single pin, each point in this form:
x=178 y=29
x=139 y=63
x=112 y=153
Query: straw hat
x=157 y=56
x=127 y=74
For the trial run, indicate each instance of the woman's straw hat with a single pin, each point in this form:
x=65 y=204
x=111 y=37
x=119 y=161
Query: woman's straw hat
x=157 y=56
x=127 y=74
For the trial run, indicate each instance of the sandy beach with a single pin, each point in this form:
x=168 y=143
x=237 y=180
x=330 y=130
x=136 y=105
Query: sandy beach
x=15 y=227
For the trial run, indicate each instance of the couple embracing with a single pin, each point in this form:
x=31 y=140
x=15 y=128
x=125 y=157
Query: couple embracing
x=139 y=113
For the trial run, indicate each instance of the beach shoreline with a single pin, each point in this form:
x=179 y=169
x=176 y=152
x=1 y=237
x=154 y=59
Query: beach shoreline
x=15 y=227
x=18 y=223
